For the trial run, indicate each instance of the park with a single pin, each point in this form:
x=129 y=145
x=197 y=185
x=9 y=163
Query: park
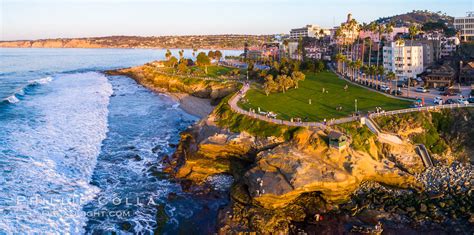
x=320 y=96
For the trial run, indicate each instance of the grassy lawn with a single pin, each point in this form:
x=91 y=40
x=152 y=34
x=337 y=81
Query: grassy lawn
x=213 y=71
x=295 y=102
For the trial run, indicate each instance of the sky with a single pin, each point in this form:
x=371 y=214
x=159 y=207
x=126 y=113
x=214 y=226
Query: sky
x=40 y=19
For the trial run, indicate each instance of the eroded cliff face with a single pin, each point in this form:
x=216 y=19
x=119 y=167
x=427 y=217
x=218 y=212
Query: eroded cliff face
x=147 y=76
x=277 y=182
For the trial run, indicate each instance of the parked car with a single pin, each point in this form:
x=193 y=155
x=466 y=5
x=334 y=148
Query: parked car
x=450 y=101
x=462 y=101
x=447 y=93
x=438 y=100
x=470 y=100
x=397 y=92
x=384 y=88
x=422 y=90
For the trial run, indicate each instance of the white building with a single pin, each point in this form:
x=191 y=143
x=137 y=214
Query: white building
x=449 y=46
x=293 y=50
x=310 y=30
x=404 y=61
x=465 y=26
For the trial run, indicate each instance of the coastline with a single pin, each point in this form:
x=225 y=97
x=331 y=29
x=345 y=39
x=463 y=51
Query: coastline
x=199 y=107
x=195 y=106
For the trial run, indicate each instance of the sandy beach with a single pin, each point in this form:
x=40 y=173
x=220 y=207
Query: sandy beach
x=193 y=105
x=198 y=107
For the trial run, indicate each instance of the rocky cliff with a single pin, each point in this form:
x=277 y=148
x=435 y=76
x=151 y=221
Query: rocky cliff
x=196 y=41
x=281 y=184
x=149 y=77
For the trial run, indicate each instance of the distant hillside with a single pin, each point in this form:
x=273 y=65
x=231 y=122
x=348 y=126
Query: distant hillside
x=201 y=41
x=417 y=17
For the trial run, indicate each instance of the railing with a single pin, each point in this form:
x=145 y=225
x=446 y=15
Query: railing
x=323 y=125
x=427 y=108
x=425 y=156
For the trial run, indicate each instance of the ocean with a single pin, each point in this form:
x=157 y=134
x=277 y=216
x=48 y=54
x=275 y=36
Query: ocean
x=80 y=151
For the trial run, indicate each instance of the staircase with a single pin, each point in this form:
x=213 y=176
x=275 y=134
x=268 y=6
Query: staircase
x=425 y=156
x=382 y=136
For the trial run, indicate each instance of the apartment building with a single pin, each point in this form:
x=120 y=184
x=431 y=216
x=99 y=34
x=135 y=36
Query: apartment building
x=310 y=30
x=388 y=36
x=465 y=26
x=405 y=61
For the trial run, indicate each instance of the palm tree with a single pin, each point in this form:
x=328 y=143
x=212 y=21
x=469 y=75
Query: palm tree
x=413 y=31
x=380 y=72
x=365 y=70
x=287 y=50
x=390 y=77
x=339 y=58
x=358 y=64
x=372 y=72
x=168 y=54
x=380 y=31
x=372 y=28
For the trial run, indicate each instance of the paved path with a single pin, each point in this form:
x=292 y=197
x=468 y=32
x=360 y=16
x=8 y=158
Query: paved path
x=235 y=99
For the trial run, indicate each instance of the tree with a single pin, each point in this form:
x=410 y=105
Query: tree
x=203 y=60
x=320 y=66
x=168 y=54
x=413 y=31
x=297 y=76
x=373 y=28
x=183 y=66
x=358 y=64
x=194 y=52
x=380 y=72
x=391 y=77
x=218 y=56
x=340 y=58
x=172 y=61
x=287 y=49
x=181 y=54
x=380 y=31
x=211 y=54
x=269 y=84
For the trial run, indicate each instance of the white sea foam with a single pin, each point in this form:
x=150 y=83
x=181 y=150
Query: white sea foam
x=21 y=91
x=41 y=81
x=12 y=99
x=53 y=157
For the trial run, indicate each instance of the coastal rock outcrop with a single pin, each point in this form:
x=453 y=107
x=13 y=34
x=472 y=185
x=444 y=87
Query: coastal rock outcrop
x=202 y=88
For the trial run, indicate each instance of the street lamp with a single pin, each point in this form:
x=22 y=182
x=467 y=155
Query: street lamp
x=355 y=105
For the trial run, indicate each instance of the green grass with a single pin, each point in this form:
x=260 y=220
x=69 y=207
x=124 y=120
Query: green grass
x=294 y=103
x=216 y=71
x=237 y=123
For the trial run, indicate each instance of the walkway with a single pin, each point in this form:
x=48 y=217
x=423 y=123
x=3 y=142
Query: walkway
x=236 y=97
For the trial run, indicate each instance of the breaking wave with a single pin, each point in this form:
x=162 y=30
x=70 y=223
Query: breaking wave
x=13 y=99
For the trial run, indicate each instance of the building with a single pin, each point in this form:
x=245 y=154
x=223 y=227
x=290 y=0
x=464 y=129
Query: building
x=311 y=31
x=293 y=50
x=466 y=73
x=404 y=61
x=271 y=50
x=465 y=26
x=348 y=35
x=449 y=46
x=440 y=76
x=431 y=51
x=388 y=36
x=337 y=140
